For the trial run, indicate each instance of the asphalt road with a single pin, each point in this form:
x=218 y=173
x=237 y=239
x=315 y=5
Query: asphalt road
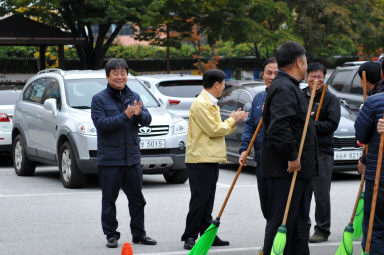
x=39 y=216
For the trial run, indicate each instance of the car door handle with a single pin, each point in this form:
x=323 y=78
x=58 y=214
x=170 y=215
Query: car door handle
x=24 y=110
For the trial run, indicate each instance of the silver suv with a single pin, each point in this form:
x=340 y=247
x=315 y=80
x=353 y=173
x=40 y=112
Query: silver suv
x=53 y=125
x=176 y=91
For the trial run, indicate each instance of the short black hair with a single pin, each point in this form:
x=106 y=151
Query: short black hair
x=288 y=52
x=372 y=71
x=211 y=76
x=269 y=61
x=315 y=66
x=115 y=63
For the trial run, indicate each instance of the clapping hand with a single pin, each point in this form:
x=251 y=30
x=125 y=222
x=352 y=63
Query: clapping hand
x=239 y=115
x=134 y=109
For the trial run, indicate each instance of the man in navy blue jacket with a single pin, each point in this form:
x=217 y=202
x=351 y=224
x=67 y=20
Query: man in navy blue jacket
x=117 y=112
x=365 y=126
x=269 y=73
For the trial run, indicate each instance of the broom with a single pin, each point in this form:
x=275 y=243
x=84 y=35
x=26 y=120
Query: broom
x=205 y=241
x=374 y=197
x=281 y=237
x=353 y=231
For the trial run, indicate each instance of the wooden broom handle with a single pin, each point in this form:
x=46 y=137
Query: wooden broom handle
x=240 y=167
x=321 y=103
x=374 y=197
x=364 y=147
x=357 y=199
x=300 y=152
x=364 y=84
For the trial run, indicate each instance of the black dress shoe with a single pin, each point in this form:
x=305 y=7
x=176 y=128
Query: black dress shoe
x=189 y=243
x=219 y=242
x=112 y=243
x=144 y=240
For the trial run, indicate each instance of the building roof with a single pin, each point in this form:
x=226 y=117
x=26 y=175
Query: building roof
x=18 y=30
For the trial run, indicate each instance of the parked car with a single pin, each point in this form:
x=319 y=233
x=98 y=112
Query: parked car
x=345 y=84
x=176 y=91
x=53 y=125
x=238 y=83
x=8 y=98
x=347 y=151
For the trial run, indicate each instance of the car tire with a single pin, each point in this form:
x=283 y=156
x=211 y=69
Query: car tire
x=21 y=163
x=70 y=174
x=176 y=176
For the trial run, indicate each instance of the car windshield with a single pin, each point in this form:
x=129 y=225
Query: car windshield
x=9 y=97
x=80 y=92
x=181 y=88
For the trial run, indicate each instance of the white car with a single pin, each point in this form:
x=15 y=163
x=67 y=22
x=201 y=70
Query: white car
x=176 y=91
x=8 y=98
x=53 y=125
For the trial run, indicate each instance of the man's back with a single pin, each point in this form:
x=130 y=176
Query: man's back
x=284 y=117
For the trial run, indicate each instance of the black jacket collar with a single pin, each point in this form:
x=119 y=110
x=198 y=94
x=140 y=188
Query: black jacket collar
x=284 y=74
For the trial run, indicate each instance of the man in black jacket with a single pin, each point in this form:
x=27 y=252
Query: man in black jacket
x=325 y=126
x=284 y=117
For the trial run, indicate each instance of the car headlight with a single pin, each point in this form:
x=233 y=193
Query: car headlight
x=180 y=127
x=87 y=129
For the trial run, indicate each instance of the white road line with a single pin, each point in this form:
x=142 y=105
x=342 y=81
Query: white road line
x=229 y=250
x=49 y=194
x=219 y=185
x=232 y=250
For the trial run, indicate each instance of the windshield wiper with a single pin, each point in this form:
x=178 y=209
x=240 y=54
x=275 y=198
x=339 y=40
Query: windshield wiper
x=81 y=107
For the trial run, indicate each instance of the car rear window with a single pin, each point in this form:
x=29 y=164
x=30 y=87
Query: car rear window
x=9 y=97
x=341 y=80
x=181 y=88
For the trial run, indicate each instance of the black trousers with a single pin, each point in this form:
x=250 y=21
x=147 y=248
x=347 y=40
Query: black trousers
x=202 y=183
x=321 y=186
x=263 y=196
x=129 y=178
x=298 y=215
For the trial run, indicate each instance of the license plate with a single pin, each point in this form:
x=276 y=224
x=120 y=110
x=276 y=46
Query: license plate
x=347 y=155
x=152 y=144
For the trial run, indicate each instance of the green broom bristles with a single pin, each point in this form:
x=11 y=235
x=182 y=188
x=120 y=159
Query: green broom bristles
x=279 y=241
x=346 y=246
x=206 y=240
x=358 y=221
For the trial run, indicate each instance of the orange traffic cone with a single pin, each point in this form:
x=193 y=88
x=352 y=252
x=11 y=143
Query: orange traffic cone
x=127 y=249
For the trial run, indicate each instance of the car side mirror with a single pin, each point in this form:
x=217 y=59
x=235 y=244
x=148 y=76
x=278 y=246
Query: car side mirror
x=247 y=107
x=50 y=105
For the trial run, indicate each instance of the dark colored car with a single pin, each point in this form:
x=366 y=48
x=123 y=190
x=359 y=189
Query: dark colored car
x=347 y=151
x=345 y=84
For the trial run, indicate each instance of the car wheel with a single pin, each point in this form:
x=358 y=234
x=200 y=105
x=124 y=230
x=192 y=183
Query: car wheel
x=70 y=174
x=23 y=166
x=176 y=176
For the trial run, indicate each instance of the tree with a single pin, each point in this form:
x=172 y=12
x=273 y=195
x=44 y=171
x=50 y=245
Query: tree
x=166 y=23
x=325 y=27
x=367 y=20
x=264 y=23
x=78 y=17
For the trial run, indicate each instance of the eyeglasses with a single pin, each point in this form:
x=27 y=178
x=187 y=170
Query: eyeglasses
x=316 y=77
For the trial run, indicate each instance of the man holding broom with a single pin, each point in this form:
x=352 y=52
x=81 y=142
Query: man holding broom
x=284 y=117
x=269 y=73
x=370 y=115
x=326 y=124
x=205 y=149
x=374 y=85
